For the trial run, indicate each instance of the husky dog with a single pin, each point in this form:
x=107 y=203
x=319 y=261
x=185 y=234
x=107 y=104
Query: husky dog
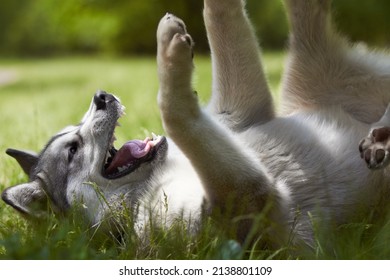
x=234 y=157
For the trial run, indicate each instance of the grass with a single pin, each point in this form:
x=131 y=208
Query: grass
x=50 y=94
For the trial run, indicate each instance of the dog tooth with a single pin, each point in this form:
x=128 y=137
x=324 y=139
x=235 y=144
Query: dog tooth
x=156 y=139
x=122 y=111
x=154 y=136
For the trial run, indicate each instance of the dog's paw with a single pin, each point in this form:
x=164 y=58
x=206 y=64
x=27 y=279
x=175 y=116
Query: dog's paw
x=175 y=68
x=174 y=43
x=182 y=46
x=375 y=148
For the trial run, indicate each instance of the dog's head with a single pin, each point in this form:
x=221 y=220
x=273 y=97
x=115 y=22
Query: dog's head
x=80 y=163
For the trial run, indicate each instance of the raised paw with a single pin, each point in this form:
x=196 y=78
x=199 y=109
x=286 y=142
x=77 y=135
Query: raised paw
x=174 y=43
x=177 y=103
x=375 y=148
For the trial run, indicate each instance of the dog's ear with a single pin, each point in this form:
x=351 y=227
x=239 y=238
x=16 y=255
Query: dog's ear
x=26 y=159
x=29 y=199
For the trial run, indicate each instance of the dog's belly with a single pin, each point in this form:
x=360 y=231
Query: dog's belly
x=315 y=163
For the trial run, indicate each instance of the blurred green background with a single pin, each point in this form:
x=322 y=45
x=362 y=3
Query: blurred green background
x=122 y=27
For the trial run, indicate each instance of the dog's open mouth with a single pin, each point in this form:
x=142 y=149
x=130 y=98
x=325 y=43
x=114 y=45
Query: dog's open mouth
x=130 y=156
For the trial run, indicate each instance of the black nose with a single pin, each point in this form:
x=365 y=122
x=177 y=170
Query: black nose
x=100 y=99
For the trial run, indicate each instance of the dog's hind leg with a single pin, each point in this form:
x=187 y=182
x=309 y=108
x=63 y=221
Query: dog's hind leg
x=323 y=69
x=241 y=96
x=314 y=49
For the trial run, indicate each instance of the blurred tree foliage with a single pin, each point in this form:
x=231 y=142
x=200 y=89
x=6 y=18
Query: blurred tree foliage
x=49 y=27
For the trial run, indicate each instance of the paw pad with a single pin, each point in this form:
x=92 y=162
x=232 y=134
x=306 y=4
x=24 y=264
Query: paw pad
x=375 y=148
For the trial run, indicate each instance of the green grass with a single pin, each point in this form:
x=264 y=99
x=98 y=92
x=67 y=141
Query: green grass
x=50 y=94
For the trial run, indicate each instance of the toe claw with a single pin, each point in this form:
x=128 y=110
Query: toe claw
x=380 y=155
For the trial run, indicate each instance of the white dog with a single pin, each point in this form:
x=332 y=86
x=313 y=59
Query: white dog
x=235 y=157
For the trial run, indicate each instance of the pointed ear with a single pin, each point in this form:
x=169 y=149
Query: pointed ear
x=28 y=198
x=27 y=160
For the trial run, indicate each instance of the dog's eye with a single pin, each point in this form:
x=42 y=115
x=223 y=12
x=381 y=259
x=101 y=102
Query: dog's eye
x=72 y=150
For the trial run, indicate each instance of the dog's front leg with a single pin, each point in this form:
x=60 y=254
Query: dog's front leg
x=228 y=172
x=177 y=101
x=240 y=93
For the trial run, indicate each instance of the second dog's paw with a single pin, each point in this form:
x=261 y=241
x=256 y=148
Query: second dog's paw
x=375 y=148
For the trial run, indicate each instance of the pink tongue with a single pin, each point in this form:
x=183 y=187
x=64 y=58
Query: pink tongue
x=130 y=151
